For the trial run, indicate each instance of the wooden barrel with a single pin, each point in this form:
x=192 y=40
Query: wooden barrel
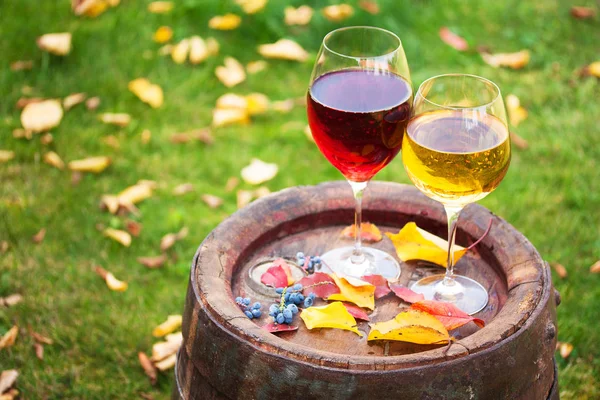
x=228 y=356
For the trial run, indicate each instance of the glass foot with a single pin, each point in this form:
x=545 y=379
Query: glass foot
x=376 y=262
x=465 y=293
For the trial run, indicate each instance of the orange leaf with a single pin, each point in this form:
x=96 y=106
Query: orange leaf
x=518 y=141
x=39 y=237
x=453 y=40
x=595 y=268
x=160 y=7
x=153 y=262
x=406 y=294
x=369 y=6
x=411 y=326
x=149 y=368
x=369 y=232
x=147 y=92
x=582 y=12
x=565 y=350
x=9 y=337
x=512 y=60
x=448 y=314
x=516 y=113
x=560 y=270
x=172 y=323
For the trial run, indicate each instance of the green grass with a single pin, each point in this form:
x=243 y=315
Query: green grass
x=551 y=192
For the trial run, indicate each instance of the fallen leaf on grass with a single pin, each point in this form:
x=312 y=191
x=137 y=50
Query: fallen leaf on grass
x=516 y=60
x=92 y=8
x=12 y=394
x=380 y=283
x=112 y=141
x=128 y=197
x=10 y=300
x=133 y=227
x=46 y=139
x=333 y=315
x=53 y=159
x=232 y=73
x=518 y=141
x=319 y=283
x=39 y=237
x=447 y=313
x=258 y=103
x=148 y=367
x=172 y=323
x=274 y=327
x=8 y=379
x=410 y=326
x=283 y=49
x=222 y=117
x=73 y=99
x=565 y=350
x=163 y=34
x=355 y=291
x=55 y=43
x=278 y=276
x=179 y=52
x=201 y=49
x=595 y=268
x=23 y=65
x=298 y=16
x=24 y=101
x=39 y=350
x=369 y=232
x=244 y=197
x=162 y=350
x=231 y=183
x=93 y=164
x=591 y=70
x=118 y=236
x=254 y=67
x=93 y=103
x=261 y=191
x=251 y=6
x=4 y=246
x=356 y=312
x=560 y=270
x=369 y=6
x=582 y=12
x=453 y=40
x=167 y=363
x=202 y=135
x=42 y=116
x=118 y=119
x=413 y=243
x=338 y=13
x=153 y=262
x=146 y=136
x=6 y=155
x=516 y=113
x=212 y=201
x=225 y=22
x=111 y=281
x=258 y=172
x=9 y=337
x=147 y=92
x=406 y=294
x=160 y=7
x=38 y=337
x=170 y=239
x=182 y=189
x=283 y=106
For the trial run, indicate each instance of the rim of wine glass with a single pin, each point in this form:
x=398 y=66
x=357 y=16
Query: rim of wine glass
x=346 y=28
x=497 y=96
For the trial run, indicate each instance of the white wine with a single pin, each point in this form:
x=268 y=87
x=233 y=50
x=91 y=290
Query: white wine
x=456 y=156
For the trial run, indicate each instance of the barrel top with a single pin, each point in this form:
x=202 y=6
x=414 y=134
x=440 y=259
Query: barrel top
x=310 y=219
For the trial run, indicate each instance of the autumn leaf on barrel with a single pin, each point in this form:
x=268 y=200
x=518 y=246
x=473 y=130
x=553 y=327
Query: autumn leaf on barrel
x=447 y=313
x=453 y=40
x=380 y=283
x=225 y=22
x=406 y=294
x=411 y=326
x=274 y=327
x=284 y=49
x=279 y=275
x=368 y=233
x=319 y=283
x=356 y=312
x=355 y=291
x=258 y=172
x=338 y=12
x=147 y=92
x=55 y=43
x=172 y=323
x=298 y=16
x=516 y=60
x=333 y=315
x=42 y=116
x=414 y=243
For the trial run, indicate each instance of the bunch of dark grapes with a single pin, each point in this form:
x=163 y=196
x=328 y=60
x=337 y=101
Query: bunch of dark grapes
x=250 y=312
x=291 y=298
x=308 y=263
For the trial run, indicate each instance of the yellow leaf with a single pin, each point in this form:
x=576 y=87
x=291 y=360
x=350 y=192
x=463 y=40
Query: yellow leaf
x=254 y=67
x=413 y=243
x=120 y=119
x=333 y=315
x=167 y=363
x=9 y=337
x=516 y=113
x=89 y=8
x=594 y=69
x=118 y=236
x=222 y=117
x=258 y=103
x=251 y=6
x=411 y=326
x=355 y=291
x=42 y=116
x=147 y=92
x=338 y=12
x=283 y=49
x=92 y=164
x=244 y=197
x=169 y=239
x=283 y=106
x=136 y=193
x=51 y=158
x=232 y=73
x=258 y=172
x=198 y=50
x=172 y=323
x=111 y=203
x=115 y=284
x=298 y=16
x=6 y=155
x=211 y=200
x=162 y=350
x=231 y=100
x=160 y=7
x=512 y=60
x=55 y=43
x=163 y=34
x=179 y=52
x=213 y=46
x=73 y=99
x=225 y=22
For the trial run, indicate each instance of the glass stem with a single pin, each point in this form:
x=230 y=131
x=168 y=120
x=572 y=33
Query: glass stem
x=452 y=215
x=358 y=188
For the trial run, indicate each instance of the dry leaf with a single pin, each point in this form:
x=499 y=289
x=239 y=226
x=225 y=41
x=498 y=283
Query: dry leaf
x=42 y=116
x=560 y=270
x=252 y=6
x=111 y=281
x=298 y=16
x=53 y=159
x=8 y=379
x=411 y=326
x=162 y=350
x=167 y=363
x=182 y=189
x=254 y=67
x=516 y=113
x=283 y=49
x=283 y=106
x=591 y=70
x=582 y=12
x=261 y=191
x=595 y=268
x=354 y=291
x=160 y=7
x=258 y=103
x=225 y=22
x=76 y=178
x=136 y=193
x=147 y=92
x=10 y=300
x=41 y=338
x=333 y=315
x=6 y=155
x=12 y=394
x=244 y=197
x=4 y=246
x=133 y=227
x=92 y=8
x=212 y=201
x=169 y=239
x=447 y=313
x=9 y=337
x=231 y=183
x=198 y=50
x=229 y=116
x=453 y=40
x=148 y=367
x=93 y=103
x=55 y=43
x=22 y=134
x=231 y=100
x=202 y=135
x=39 y=350
x=565 y=350
x=24 y=101
x=92 y=164
x=163 y=34
x=258 y=172
x=119 y=236
x=120 y=119
x=232 y=73
x=413 y=243
x=179 y=52
x=518 y=141
x=512 y=60
x=153 y=262
x=46 y=139
x=172 y=323
x=368 y=232
x=112 y=141
x=146 y=136
x=338 y=13
x=39 y=237
x=369 y=6
x=21 y=65
x=73 y=99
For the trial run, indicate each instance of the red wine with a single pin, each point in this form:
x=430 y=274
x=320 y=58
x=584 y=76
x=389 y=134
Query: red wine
x=358 y=118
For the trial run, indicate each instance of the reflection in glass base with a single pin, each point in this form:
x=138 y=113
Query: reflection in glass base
x=376 y=262
x=465 y=293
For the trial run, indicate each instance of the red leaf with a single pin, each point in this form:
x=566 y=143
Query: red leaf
x=448 y=314
x=582 y=12
x=356 y=312
x=274 y=327
x=319 y=283
x=276 y=275
x=380 y=283
x=453 y=40
x=406 y=294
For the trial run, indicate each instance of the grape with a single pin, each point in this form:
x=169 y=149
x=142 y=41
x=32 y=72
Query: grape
x=292 y=298
x=287 y=313
x=246 y=301
x=299 y=254
x=293 y=308
x=300 y=298
x=256 y=306
x=298 y=286
x=312 y=295
x=288 y=321
x=256 y=313
x=286 y=297
x=308 y=302
x=238 y=300
x=279 y=290
x=280 y=319
x=248 y=314
x=274 y=308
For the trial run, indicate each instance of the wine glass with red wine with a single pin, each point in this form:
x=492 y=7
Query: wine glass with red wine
x=359 y=103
